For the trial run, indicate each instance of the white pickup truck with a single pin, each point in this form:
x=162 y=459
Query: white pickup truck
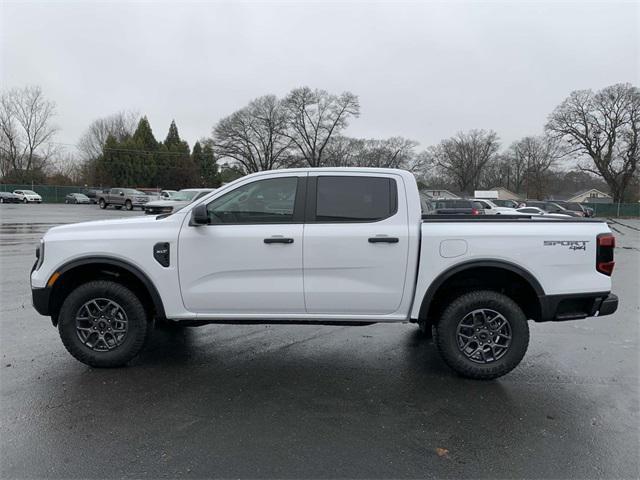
x=323 y=246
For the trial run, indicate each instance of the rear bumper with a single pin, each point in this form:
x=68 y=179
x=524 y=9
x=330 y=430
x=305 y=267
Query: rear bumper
x=40 y=299
x=559 y=308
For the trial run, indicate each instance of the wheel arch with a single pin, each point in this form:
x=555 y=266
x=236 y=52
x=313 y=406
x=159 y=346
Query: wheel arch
x=495 y=274
x=81 y=270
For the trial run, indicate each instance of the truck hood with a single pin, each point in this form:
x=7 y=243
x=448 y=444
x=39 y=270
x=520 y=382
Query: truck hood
x=97 y=226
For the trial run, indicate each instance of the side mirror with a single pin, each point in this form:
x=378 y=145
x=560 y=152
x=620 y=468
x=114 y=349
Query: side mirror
x=199 y=215
x=122 y=194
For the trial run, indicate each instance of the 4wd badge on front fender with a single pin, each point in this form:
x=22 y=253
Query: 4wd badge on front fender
x=161 y=253
x=572 y=244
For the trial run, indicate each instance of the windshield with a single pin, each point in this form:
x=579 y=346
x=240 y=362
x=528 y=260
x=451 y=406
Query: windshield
x=132 y=191
x=29 y=192
x=80 y=195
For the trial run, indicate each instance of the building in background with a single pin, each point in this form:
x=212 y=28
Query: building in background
x=593 y=195
x=439 y=194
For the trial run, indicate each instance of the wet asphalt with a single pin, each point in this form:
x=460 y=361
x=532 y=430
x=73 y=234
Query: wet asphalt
x=311 y=401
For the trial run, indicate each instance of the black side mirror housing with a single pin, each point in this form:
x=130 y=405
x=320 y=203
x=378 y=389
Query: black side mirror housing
x=199 y=215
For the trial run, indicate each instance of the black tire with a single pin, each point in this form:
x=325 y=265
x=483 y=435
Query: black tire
x=446 y=335
x=24 y=200
x=128 y=205
x=138 y=330
x=102 y=204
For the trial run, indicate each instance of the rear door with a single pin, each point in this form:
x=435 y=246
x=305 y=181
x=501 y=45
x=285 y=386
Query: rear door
x=355 y=243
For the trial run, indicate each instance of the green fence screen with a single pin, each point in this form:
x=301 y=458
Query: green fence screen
x=49 y=193
x=615 y=209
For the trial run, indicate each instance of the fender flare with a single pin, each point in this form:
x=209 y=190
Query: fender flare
x=132 y=269
x=461 y=267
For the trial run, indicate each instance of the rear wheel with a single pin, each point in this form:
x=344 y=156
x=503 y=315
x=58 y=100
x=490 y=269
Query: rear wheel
x=128 y=205
x=103 y=324
x=482 y=335
x=102 y=204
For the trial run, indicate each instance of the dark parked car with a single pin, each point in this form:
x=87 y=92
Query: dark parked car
x=77 y=198
x=8 y=197
x=573 y=206
x=457 y=207
x=93 y=194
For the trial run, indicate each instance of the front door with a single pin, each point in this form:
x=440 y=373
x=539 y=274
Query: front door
x=248 y=260
x=356 y=244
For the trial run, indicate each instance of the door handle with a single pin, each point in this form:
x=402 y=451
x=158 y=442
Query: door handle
x=384 y=240
x=278 y=240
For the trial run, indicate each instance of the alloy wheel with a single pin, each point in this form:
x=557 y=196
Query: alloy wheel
x=484 y=335
x=101 y=324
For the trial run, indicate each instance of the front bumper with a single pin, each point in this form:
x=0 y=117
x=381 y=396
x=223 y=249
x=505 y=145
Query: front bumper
x=40 y=298
x=558 y=308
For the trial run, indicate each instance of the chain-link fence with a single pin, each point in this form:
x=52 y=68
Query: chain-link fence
x=49 y=193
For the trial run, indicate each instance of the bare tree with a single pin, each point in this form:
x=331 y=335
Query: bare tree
x=120 y=125
x=394 y=152
x=254 y=136
x=604 y=126
x=536 y=156
x=314 y=117
x=463 y=157
x=25 y=130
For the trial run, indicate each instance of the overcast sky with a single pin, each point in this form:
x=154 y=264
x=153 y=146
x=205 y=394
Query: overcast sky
x=422 y=70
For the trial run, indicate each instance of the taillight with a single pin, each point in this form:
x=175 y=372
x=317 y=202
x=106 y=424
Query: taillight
x=605 y=242
x=474 y=211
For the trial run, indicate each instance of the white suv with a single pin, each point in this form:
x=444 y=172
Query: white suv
x=28 y=196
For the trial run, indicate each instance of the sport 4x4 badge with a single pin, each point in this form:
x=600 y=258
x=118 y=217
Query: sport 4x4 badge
x=572 y=244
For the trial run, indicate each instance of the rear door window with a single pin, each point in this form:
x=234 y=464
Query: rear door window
x=355 y=198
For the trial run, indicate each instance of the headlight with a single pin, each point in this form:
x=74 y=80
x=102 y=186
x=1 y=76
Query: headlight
x=39 y=255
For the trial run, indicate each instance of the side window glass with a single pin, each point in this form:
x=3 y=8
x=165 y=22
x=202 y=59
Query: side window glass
x=264 y=201
x=355 y=199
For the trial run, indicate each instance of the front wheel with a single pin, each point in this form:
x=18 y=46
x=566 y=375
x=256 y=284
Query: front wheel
x=102 y=204
x=24 y=200
x=482 y=335
x=103 y=324
x=128 y=205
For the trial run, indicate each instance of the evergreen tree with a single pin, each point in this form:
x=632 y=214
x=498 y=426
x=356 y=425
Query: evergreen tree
x=173 y=138
x=143 y=135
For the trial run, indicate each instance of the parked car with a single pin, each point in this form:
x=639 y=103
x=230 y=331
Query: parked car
x=457 y=207
x=539 y=212
x=588 y=211
x=128 y=198
x=155 y=194
x=8 y=197
x=237 y=256
x=550 y=207
x=491 y=208
x=93 y=194
x=76 y=198
x=506 y=203
x=28 y=196
x=572 y=206
x=167 y=194
x=176 y=202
